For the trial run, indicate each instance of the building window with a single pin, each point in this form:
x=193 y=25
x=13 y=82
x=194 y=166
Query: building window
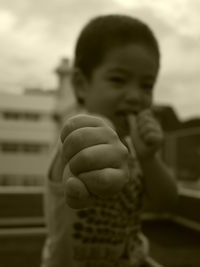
x=11 y=115
x=21 y=180
x=23 y=147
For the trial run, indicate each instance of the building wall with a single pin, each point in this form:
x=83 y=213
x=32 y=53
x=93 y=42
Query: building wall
x=28 y=131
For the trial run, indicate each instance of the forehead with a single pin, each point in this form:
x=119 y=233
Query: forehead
x=132 y=58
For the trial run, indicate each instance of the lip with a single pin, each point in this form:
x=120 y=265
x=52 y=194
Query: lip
x=126 y=112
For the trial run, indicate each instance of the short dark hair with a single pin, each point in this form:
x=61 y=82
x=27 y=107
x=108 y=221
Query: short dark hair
x=105 y=32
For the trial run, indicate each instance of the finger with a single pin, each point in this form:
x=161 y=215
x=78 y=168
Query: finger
x=98 y=157
x=132 y=120
x=76 y=193
x=107 y=182
x=150 y=131
x=86 y=137
x=149 y=128
x=145 y=113
x=153 y=139
x=146 y=118
x=80 y=121
x=142 y=122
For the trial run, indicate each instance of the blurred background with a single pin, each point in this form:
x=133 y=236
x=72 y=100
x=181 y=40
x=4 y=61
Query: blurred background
x=37 y=40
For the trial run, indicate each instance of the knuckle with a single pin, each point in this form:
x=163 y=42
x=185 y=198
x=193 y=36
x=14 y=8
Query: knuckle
x=81 y=162
x=70 y=145
x=85 y=156
x=114 y=135
x=75 y=142
x=123 y=151
x=110 y=134
x=100 y=121
x=67 y=128
x=76 y=138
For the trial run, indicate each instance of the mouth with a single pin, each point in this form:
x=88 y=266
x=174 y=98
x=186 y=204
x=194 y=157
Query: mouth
x=125 y=113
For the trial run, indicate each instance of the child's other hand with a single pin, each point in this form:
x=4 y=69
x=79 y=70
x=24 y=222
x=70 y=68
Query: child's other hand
x=95 y=160
x=146 y=134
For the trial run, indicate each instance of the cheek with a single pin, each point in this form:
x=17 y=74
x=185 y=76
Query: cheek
x=101 y=104
x=147 y=101
x=111 y=99
x=105 y=100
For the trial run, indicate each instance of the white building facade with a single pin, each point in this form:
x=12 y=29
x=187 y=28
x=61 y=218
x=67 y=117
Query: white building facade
x=27 y=132
x=29 y=126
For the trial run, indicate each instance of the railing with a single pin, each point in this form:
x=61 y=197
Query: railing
x=181 y=152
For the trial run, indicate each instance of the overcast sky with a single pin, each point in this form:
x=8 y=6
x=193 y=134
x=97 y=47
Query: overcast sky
x=36 y=34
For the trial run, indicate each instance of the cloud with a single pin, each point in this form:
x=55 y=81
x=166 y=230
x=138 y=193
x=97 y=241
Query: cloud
x=182 y=15
x=36 y=34
x=23 y=53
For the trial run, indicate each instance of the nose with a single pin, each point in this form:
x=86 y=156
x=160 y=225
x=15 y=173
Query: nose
x=133 y=94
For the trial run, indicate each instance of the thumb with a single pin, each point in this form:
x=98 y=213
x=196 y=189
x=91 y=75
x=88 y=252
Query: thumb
x=76 y=194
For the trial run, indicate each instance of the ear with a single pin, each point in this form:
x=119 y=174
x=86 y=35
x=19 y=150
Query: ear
x=79 y=82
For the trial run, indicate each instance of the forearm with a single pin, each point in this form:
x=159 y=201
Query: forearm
x=160 y=184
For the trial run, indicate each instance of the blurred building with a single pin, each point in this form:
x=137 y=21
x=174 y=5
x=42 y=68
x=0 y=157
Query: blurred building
x=28 y=130
x=65 y=95
x=29 y=125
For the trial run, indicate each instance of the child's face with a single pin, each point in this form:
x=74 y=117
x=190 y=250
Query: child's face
x=122 y=84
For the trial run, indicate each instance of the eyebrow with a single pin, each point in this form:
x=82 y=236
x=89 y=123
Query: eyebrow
x=118 y=69
x=148 y=76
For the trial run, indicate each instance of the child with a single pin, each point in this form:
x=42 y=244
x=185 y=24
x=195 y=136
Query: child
x=108 y=163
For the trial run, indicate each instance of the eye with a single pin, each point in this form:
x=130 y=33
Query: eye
x=117 y=80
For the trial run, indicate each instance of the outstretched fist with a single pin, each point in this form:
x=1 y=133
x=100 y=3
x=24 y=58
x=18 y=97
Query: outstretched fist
x=95 y=160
